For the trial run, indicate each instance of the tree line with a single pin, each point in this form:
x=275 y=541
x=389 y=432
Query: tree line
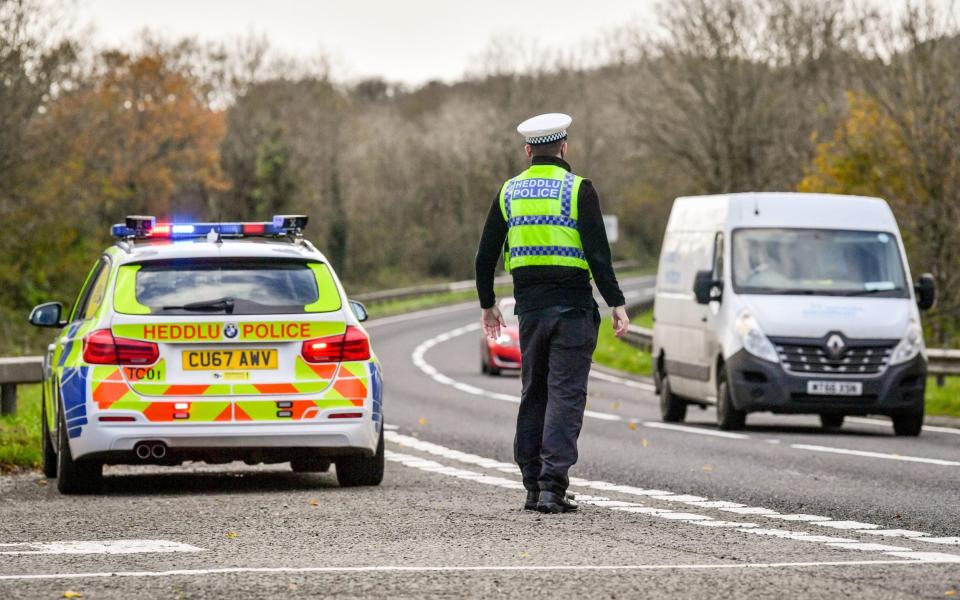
x=716 y=96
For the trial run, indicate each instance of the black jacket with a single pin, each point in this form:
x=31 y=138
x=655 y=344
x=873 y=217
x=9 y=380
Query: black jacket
x=541 y=286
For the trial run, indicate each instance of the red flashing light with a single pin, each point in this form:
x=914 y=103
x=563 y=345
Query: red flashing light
x=254 y=229
x=160 y=230
x=101 y=348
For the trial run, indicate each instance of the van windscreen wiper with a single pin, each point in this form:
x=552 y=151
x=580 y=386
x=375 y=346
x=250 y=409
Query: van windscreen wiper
x=224 y=304
x=871 y=291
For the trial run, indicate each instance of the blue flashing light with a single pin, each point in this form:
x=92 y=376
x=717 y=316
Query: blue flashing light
x=182 y=229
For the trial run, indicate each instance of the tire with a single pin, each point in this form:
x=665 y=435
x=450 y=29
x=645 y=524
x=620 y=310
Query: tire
x=831 y=421
x=728 y=417
x=74 y=476
x=672 y=408
x=49 y=454
x=491 y=369
x=310 y=465
x=484 y=354
x=908 y=424
x=353 y=471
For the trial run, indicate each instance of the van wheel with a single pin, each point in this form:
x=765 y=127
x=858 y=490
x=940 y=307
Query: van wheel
x=728 y=417
x=831 y=421
x=908 y=424
x=355 y=471
x=672 y=408
x=49 y=454
x=74 y=476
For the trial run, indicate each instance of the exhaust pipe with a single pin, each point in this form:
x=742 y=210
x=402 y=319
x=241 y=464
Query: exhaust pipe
x=142 y=451
x=158 y=451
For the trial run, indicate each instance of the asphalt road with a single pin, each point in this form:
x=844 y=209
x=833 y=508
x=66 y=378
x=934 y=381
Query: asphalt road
x=782 y=508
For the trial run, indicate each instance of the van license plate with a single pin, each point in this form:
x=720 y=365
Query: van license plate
x=835 y=388
x=229 y=360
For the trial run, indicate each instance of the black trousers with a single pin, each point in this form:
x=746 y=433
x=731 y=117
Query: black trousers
x=557 y=345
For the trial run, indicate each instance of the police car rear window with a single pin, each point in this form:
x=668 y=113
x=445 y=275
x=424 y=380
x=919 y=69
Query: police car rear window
x=248 y=287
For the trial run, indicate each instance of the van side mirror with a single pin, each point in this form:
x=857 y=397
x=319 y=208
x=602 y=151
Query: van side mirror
x=359 y=310
x=706 y=288
x=926 y=292
x=47 y=315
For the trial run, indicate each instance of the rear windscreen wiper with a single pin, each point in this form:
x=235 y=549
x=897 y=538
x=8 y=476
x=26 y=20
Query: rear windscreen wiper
x=224 y=304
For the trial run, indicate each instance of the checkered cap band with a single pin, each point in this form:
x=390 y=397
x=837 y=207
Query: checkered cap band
x=547 y=139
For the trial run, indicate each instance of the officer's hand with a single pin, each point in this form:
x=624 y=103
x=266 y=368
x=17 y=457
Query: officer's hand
x=492 y=321
x=620 y=321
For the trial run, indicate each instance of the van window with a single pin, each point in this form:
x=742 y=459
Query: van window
x=229 y=286
x=824 y=262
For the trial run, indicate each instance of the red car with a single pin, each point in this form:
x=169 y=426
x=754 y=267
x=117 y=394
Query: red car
x=503 y=352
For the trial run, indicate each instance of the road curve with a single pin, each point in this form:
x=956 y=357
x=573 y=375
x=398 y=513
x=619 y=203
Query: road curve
x=781 y=508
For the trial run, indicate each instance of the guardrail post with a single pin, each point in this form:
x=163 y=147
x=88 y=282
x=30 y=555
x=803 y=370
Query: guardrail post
x=8 y=399
x=941 y=380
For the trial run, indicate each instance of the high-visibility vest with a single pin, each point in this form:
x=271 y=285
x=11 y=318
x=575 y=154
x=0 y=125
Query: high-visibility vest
x=540 y=208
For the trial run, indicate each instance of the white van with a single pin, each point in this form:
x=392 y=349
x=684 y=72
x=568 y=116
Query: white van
x=789 y=303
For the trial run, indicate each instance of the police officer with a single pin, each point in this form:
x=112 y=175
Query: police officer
x=548 y=224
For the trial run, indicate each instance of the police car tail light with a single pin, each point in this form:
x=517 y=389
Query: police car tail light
x=101 y=348
x=356 y=344
x=352 y=345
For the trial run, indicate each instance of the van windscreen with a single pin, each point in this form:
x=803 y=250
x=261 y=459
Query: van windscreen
x=825 y=262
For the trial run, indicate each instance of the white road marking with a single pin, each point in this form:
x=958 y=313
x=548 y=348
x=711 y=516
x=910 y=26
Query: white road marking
x=96 y=547
x=640 y=385
x=865 y=453
x=889 y=424
x=420 y=314
x=846 y=525
x=907 y=559
x=868 y=547
x=634 y=507
x=388 y=427
x=953 y=541
x=905 y=533
x=697 y=430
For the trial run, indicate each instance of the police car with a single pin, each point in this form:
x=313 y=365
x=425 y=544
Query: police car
x=213 y=342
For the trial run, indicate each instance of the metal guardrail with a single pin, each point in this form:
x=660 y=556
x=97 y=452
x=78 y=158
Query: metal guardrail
x=14 y=371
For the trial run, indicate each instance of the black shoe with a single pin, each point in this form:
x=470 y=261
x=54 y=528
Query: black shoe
x=551 y=502
x=532 y=497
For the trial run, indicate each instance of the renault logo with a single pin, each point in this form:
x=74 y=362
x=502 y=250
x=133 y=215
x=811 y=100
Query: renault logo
x=835 y=345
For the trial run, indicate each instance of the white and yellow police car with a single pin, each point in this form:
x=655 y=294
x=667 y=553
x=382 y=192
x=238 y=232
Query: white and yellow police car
x=213 y=342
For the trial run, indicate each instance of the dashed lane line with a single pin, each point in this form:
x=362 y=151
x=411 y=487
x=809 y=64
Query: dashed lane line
x=413 y=443
x=883 y=455
x=889 y=424
x=96 y=547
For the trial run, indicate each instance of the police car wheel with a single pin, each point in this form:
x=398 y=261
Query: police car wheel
x=672 y=408
x=74 y=476
x=355 y=471
x=49 y=455
x=908 y=424
x=310 y=465
x=831 y=421
x=728 y=417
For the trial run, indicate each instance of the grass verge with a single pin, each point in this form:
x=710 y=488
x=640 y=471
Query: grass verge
x=20 y=433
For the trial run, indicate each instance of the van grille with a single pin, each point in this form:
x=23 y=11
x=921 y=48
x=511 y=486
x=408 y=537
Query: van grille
x=811 y=357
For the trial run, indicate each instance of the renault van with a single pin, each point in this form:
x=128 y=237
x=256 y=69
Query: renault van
x=789 y=303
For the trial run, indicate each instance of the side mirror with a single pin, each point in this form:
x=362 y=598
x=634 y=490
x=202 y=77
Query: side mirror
x=359 y=310
x=706 y=288
x=926 y=292
x=47 y=315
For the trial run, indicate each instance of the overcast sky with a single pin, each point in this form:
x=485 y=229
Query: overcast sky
x=402 y=40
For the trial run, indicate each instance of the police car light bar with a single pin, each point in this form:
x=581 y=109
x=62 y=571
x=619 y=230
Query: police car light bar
x=146 y=227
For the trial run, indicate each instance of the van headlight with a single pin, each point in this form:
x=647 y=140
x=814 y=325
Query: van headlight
x=753 y=339
x=910 y=345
